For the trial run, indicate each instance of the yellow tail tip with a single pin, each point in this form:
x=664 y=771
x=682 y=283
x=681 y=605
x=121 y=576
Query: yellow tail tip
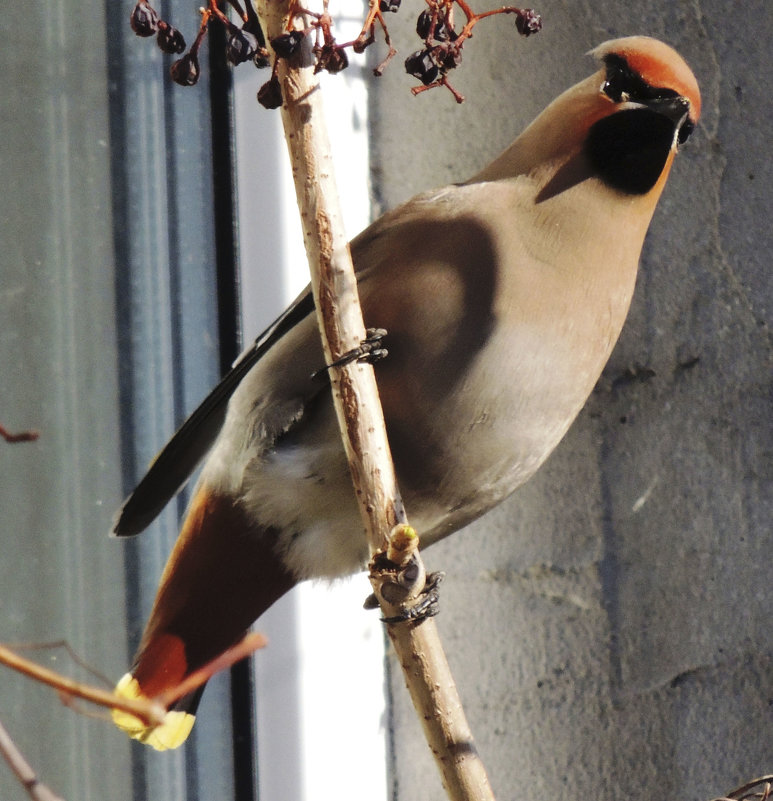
x=172 y=733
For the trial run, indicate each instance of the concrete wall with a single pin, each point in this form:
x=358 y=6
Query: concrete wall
x=609 y=625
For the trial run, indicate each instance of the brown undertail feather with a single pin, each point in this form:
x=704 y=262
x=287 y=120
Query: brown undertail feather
x=222 y=574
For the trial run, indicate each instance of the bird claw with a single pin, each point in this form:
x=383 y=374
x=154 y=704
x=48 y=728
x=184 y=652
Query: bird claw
x=369 y=350
x=426 y=604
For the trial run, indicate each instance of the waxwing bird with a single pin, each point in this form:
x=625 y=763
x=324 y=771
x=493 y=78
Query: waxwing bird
x=502 y=296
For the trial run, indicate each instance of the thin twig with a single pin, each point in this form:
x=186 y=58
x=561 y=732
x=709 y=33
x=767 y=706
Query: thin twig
x=19 y=436
x=23 y=770
x=359 y=411
x=148 y=711
x=55 y=645
x=251 y=643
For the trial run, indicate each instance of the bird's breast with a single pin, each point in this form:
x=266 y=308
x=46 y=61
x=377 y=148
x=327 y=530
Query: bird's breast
x=523 y=344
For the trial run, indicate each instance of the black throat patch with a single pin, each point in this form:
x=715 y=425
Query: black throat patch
x=629 y=149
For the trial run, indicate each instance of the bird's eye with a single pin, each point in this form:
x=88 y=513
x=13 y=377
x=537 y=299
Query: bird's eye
x=618 y=80
x=622 y=84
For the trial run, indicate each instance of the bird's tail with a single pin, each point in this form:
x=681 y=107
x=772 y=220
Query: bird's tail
x=222 y=574
x=175 y=728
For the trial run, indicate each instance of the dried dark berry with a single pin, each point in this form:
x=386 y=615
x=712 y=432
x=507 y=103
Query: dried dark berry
x=528 y=22
x=451 y=58
x=421 y=65
x=423 y=24
x=240 y=47
x=335 y=59
x=144 y=19
x=270 y=94
x=442 y=32
x=287 y=43
x=185 y=70
x=389 y=5
x=361 y=42
x=262 y=59
x=169 y=39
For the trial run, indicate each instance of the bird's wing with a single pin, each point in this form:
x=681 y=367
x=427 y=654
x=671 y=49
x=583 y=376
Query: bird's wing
x=178 y=459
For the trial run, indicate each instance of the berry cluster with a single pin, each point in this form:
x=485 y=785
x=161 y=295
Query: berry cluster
x=245 y=42
x=441 y=51
x=146 y=22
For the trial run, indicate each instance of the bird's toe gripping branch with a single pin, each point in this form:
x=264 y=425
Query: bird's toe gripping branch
x=426 y=604
x=369 y=350
x=400 y=582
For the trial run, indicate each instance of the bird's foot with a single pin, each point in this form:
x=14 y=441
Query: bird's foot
x=401 y=585
x=426 y=604
x=369 y=350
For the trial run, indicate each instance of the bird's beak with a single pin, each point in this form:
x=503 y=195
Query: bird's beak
x=677 y=110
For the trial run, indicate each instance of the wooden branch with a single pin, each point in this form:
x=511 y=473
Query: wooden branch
x=23 y=770
x=359 y=413
x=335 y=292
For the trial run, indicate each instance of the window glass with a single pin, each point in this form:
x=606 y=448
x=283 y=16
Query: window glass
x=109 y=335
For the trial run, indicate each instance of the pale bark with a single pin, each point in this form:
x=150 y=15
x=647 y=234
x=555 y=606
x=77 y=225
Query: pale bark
x=359 y=413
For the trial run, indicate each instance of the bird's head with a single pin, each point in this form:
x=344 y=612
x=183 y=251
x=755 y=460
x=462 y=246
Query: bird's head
x=647 y=103
x=621 y=125
x=644 y=71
